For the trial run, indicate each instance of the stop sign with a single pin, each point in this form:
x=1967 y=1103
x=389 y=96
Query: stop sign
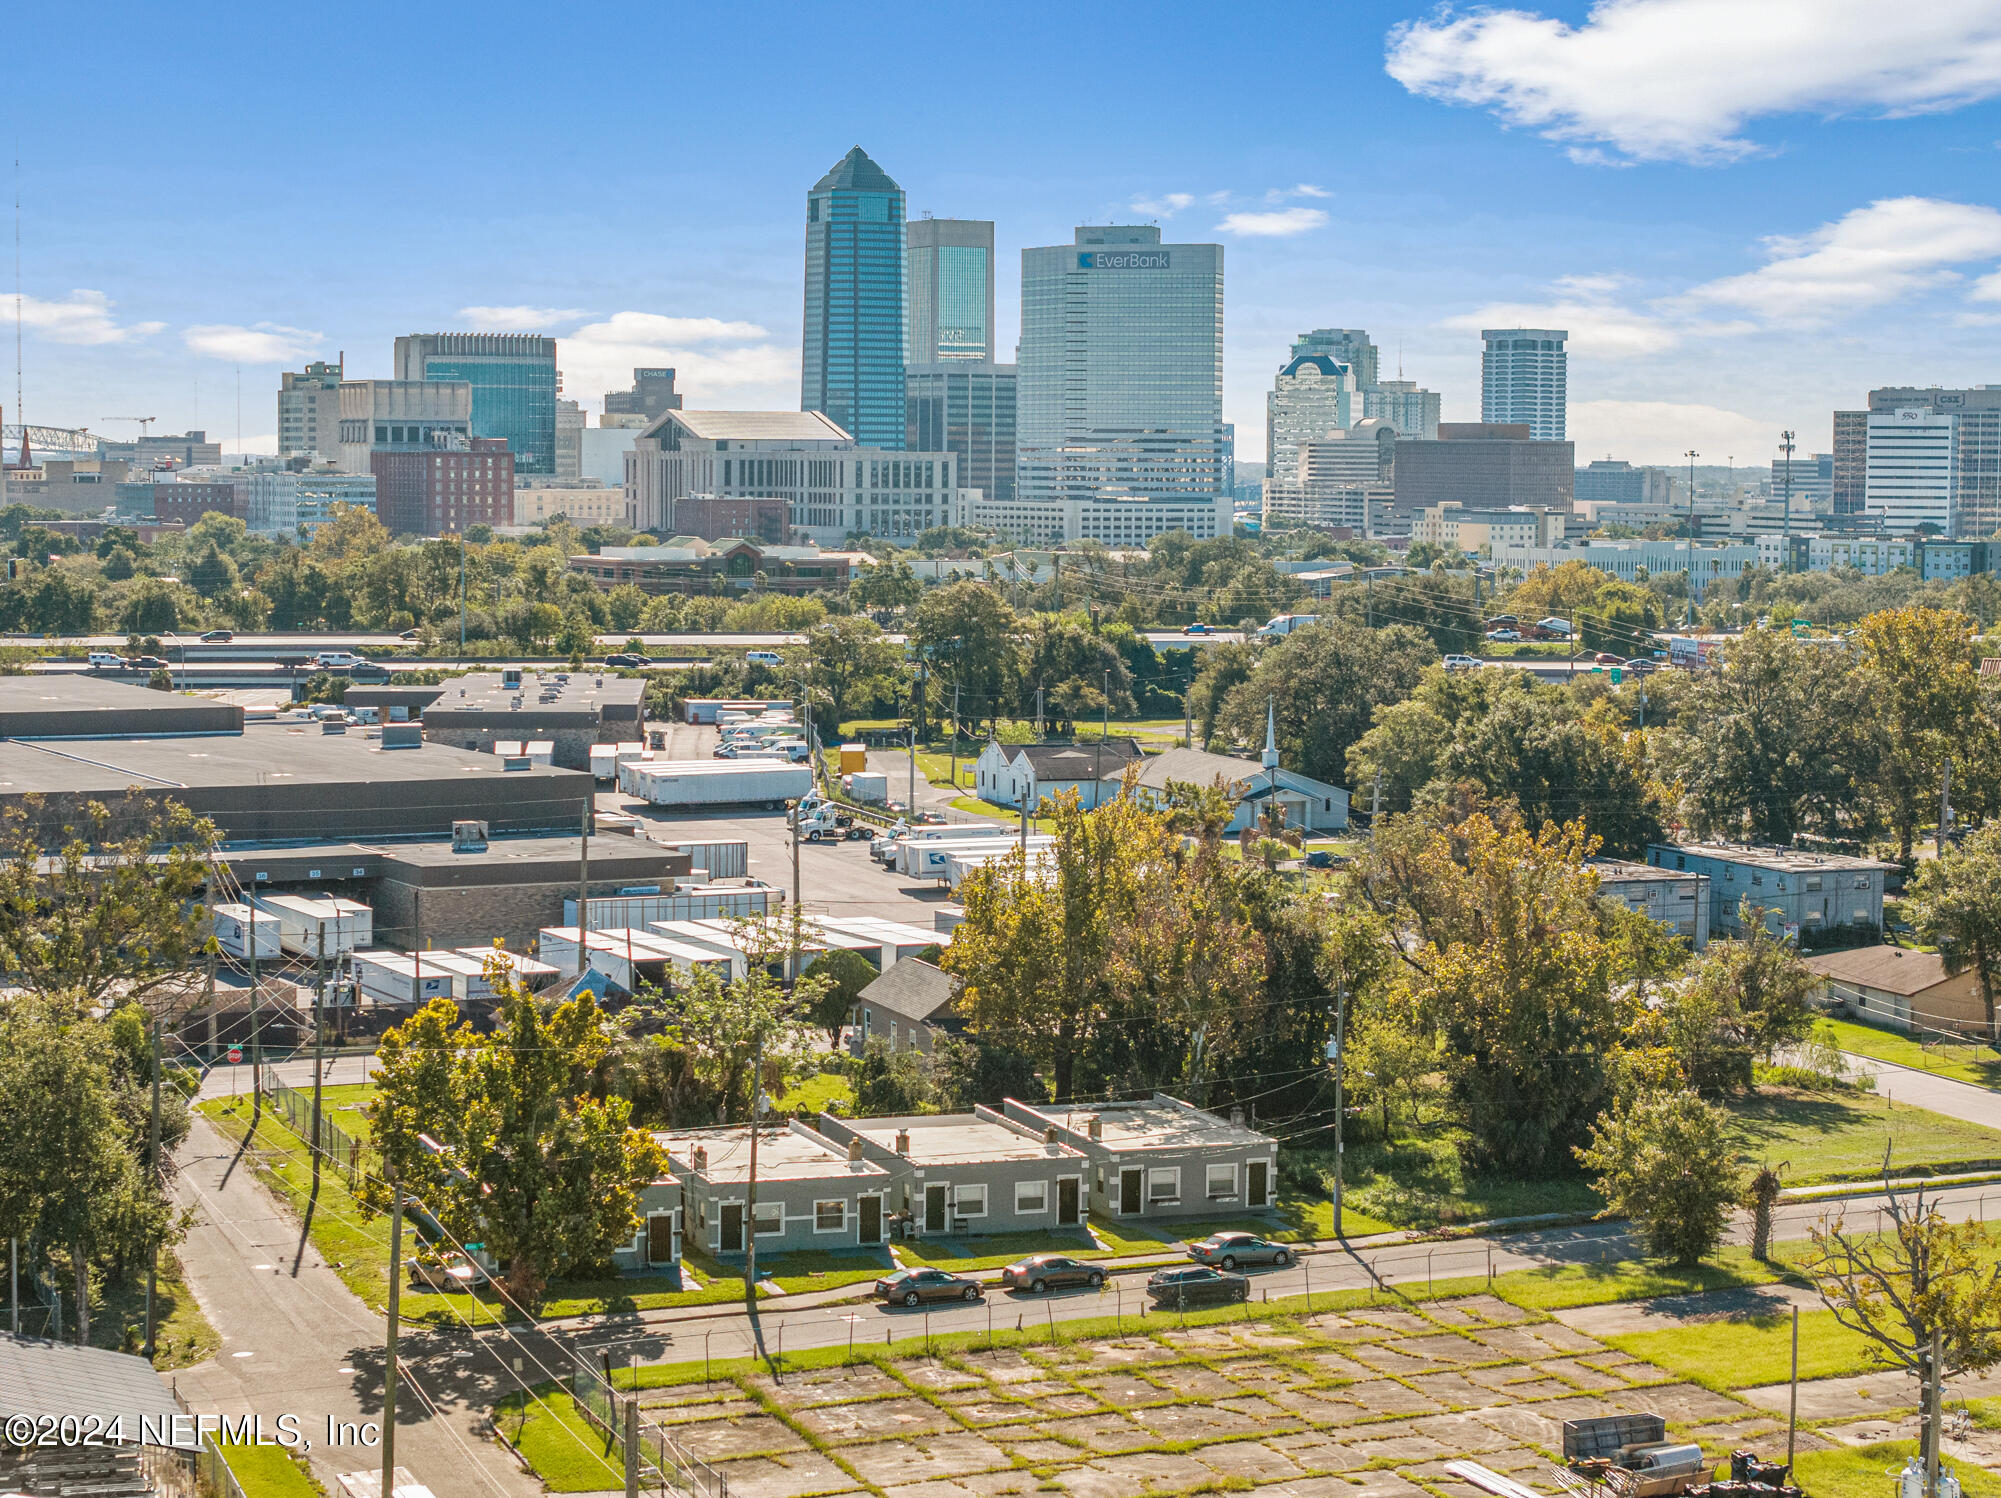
x=235 y=1054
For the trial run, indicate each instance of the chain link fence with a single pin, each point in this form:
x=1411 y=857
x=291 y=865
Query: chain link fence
x=666 y=1467
x=340 y=1149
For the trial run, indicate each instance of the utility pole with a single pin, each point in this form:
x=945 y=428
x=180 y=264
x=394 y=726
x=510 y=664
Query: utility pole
x=750 y=1195
x=955 y=738
x=14 y=1283
x=798 y=894
x=1691 y=455
x=319 y=1050
x=584 y=879
x=256 y=1048
x=1104 y=732
x=153 y=1163
x=1786 y=489
x=1339 y=1060
x=1038 y=712
x=462 y=595
x=389 y=1342
x=912 y=803
x=1933 y=1401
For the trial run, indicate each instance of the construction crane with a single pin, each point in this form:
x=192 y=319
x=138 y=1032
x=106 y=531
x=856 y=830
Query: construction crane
x=145 y=423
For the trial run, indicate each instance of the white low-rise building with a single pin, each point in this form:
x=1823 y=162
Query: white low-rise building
x=1624 y=559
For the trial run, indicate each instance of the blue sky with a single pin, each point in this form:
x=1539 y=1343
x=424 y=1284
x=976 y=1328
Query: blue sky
x=1747 y=211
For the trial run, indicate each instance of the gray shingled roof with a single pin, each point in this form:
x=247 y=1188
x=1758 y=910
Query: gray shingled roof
x=54 y=1378
x=911 y=990
x=1886 y=968
x=1077 y=761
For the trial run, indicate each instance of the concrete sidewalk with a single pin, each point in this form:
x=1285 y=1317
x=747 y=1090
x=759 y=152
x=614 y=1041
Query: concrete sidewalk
x=1904 y=1084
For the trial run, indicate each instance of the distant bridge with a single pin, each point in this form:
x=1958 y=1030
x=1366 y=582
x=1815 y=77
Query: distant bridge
x=49 y=442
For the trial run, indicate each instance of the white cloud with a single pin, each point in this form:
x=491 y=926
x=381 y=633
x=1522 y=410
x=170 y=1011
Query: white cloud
x=82 y=317
x=1987 y=288
x=1678 y=80
x=267 y=343
x=1308 y=190
x=1164 y=206
x=1278 y=225
x=1599 y=327
x=1660 y=431
x=1877 y=254
x=720 y=365
x=518 y=319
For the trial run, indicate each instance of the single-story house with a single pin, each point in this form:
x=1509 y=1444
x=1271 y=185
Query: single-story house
x=1904 y=989
x=1014 y=774
x=907 y=1008
x=970 y=1172
x=1161 y=1157
x=811 y=1193
x=1309 y=805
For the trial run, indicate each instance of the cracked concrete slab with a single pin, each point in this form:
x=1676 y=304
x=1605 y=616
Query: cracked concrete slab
x=787 y=1477
x=718 y=1440
x=873 y=1420
x=954 y=1455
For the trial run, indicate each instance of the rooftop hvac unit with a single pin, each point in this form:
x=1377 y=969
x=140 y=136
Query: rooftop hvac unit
x=333 y=725
x=468 y=836
x=402 y=736
x=516 y=762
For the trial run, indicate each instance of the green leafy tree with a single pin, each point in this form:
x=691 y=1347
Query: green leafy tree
x=968 y=1071
x=1954 y=904
x=1921 y=672
x=1326 y=681
x=1760 y=979
x=850 y=664
x=528 y=1161
x=890 y=1083
x=844 y=975
x=890 y=586
x=1621 y=619
x=964 y=631
x=1665 y=1161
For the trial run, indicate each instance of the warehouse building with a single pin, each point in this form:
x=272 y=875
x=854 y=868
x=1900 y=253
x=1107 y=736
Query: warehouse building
x=570 y=709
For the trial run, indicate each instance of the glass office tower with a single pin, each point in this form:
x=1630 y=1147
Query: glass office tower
x=1121 y=368
x=853 y=353
x=965 y=407
x=951 y=289
x=513 y=379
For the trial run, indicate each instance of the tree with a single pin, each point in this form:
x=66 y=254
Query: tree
x=1761 y=980
x=100 y=899
x=890 y=586
x=528 y=1161
x=890 y=1083
x=1622 y=618
x=1924 y=686
x=1761 y=1196
x=1072 y=666
x=1926 y=1279
x=1954 y=904
x=1326 y=682
x=1664 y=1160
x=850 y=661
x=969 y=1071
x=1775 y=742
x=211 y=573
x=845 y=974
x=964 y=631
x=1506 y=962
x=150 y=609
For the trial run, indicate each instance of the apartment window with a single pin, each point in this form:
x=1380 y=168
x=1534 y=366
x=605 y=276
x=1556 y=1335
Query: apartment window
x=1861 y=881
x=1812 y=883
x=1163 y=1183
x=1862 y=917
x=1222 y=1181
x=770 y=1218
x=829 y=1217
x=970 y=1201
x=1031 y=1196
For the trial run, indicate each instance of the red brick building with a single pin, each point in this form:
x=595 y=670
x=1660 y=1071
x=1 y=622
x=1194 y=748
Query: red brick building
x=440 y=493
x=715 y=517
x=187 y=503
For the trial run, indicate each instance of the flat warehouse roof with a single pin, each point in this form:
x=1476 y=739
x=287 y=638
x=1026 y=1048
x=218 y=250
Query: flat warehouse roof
x=76 y=706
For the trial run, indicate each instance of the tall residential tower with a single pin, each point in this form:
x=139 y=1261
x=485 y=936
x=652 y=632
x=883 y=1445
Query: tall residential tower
x=853 y=348
x=1525 y=378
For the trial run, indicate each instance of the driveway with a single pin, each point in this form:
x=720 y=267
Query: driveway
x=1961 y=1100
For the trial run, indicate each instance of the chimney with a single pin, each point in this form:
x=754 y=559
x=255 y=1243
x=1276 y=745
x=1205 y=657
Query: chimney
x=1237 y=1117
x=701 y=1157
x=903 y=1141
x=1097 y=1127
x=1049 y=1134
x=855 y=1150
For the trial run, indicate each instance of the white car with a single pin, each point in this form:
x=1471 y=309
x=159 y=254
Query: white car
x=1504 y=634
x=764 y=657
x=1462 y=663
x=338 y=660
x=106 y=660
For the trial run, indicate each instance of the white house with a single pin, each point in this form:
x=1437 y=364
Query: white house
x=1005 y=774
x=1309 y=805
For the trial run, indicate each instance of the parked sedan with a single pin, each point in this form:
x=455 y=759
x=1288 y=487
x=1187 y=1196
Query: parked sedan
x=1043 y=1272
x=910 y=1287
x=628 y=658
x=1232 y=1249
x=1181 y=1289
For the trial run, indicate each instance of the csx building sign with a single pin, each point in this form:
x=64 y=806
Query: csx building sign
x=1122 y=260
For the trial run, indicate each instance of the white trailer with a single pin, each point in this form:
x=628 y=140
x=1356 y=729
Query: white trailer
x=868 y=787
x=604 y=761
x=628 y=957
x=238 y=926
x=606 y=912
x=925 y=859
x=406 y=977
x=961 y=863
x=898 y=939
x=498 y=960
x=346 y=924
x=702 y=782
x=729 y=859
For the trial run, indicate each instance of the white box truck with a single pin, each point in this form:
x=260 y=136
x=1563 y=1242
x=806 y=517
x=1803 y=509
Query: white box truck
x=347 y=924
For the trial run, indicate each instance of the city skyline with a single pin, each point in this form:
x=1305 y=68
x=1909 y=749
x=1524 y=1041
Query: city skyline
x=1731 y=260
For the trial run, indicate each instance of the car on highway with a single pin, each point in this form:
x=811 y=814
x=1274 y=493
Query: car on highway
x=627 y=658
x=145 y=663
x=336 y=660
x=764 y=658
x=1462 y=663
x=1504 y=634
x=1606 y=658
x=1232 y=1249
x=1644 y=664
x=911 y=1287
x=1184 y=1289
x=106 y=660
x=1040 y=1273
x=1555 y=627
x=1197 y=628
x=411 y=634
x=217 y=637
x=369 y=674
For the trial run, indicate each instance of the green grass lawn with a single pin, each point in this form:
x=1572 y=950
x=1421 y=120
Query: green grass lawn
x=1837 y=1136
x=1865 y=1471
x=1002 y=1248
x=1977 y=1064
x=182 y=1336
x=271 y=1472
x=1556 y=1286
x=343 y=1105
x=1748 y=1353
x=1299 y=1219
x=795 y=1272
x=816 y=1093
x=566 y=1452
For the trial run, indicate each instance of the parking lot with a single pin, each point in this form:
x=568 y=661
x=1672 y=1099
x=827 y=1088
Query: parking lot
x=838 y=879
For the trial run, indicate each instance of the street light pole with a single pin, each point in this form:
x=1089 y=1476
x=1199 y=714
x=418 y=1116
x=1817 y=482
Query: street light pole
x=1786 y=491
x=1691 y=455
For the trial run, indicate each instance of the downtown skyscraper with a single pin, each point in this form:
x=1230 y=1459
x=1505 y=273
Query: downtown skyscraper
x=853 y=347
x=951 y=289
x=1525 y=380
